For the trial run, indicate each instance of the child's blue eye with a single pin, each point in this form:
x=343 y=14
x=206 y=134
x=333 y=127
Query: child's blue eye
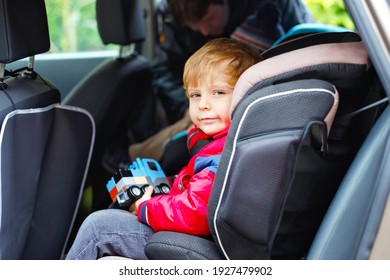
x=194 y=95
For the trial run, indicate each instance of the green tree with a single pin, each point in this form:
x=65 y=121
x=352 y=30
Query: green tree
x=330 y=12
x=72 y=25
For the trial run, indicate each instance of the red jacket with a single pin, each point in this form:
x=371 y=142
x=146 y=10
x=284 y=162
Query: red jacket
x=184 y=209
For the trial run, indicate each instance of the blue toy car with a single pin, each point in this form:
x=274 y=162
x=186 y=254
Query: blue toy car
x=128 y=185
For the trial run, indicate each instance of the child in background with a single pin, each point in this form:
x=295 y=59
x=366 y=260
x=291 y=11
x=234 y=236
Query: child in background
x=210 y=75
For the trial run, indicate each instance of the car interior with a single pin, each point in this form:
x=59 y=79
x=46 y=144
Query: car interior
x=300 y=166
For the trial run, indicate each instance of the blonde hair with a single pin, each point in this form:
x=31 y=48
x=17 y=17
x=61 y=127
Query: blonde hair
x=209 y=59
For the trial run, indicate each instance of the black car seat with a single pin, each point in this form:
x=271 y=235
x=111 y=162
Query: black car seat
x=291 y=141
x=115 y=91
x=45 y=148
x=176 y=154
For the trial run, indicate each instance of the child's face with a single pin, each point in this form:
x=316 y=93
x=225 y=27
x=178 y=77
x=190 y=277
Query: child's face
x=210 y=104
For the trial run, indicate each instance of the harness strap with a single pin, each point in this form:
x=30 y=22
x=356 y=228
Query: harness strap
x=198 y=145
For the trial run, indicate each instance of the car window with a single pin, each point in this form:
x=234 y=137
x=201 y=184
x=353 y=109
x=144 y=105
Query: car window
x=72 y=26
x=330 y=12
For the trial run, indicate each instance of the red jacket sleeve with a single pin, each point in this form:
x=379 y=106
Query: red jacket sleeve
x=182 y=210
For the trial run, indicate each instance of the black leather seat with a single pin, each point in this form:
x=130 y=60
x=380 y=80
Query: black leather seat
x=114 y=92
x=45 y=148
x=290 y=143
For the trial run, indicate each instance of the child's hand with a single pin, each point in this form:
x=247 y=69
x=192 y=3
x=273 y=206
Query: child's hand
x=147 y=195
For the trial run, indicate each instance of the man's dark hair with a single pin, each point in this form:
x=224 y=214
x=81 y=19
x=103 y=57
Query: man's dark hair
x=190 y=10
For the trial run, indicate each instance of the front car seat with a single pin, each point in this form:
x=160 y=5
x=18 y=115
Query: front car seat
x=45 y=148
x=115 y=91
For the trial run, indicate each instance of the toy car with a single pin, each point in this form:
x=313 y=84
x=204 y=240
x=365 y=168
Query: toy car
x=128 y=185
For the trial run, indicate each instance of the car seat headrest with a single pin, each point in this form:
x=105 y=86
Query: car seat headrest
x=120 y=22
x=299 y=41
x=326 y=61
x=23 y=29
x=307 y=28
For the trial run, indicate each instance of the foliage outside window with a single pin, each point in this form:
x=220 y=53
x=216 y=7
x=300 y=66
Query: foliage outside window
x=72 y=26
x=330 y=12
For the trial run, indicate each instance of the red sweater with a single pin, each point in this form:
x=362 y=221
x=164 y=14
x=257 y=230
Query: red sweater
x=184 y=209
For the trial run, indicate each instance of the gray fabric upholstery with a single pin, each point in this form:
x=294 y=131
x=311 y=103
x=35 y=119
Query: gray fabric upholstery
x=174 y=245
x=23 y=29
x=269 y=127
x=120 y=22
x=21 y=93
x=44 y=154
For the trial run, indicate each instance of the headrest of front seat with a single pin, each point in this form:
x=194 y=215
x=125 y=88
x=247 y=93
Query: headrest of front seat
x=120 y=22
x=23 y=29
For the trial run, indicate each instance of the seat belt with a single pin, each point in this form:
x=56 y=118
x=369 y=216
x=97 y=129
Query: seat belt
x=365 y=108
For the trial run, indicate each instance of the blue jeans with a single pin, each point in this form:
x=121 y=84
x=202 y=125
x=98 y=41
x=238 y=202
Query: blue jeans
x=111 y=232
